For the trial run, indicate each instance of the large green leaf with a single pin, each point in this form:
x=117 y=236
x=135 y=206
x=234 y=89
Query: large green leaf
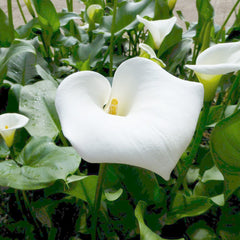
x=39 y=164
x=216 y=114
x=17 y=47
x=21 y=69
x=59 y=40
x=161 y=10
x=177 y=53
x=37 y=103
x=65 y=17
x=47 y=14
x=205 y=16
x=225 y=148
x=212 y=189
x=6 y=36
x=205 y=10
x=89 y=51
x=4 y=151
x=81 y=187
x=26 y=31
x=187 y=206
x=84 y=188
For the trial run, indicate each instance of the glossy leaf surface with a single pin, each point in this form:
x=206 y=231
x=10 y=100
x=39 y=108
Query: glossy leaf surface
x=39 y=164
x=37 y=103
x=225 y=148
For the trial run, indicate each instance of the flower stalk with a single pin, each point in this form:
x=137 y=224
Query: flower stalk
x=10 y=18
x=69 y=5
x=21 y=11
x=98 y=197
x=226 y=20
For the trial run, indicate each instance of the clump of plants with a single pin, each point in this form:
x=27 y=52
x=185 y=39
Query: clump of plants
x=117 y=123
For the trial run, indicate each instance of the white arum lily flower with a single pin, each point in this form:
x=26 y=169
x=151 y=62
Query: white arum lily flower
x=148 y=119
x=148 y=52
x=93 y=10
x=215 y=61
x=9 y=122
x=159 y=29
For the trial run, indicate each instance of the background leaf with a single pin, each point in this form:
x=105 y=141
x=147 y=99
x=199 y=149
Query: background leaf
x=39 y=164
x=205 y=15
x=16 y=48
x=6 y=36
x=37 y=101
x=225 y=149
x=21 y=69
x=47 y=14
x=187 y=206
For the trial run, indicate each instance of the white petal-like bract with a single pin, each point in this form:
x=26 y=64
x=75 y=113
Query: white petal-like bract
x=9 y=122
x=219 y=59
x=157 y=115
x=158 y=28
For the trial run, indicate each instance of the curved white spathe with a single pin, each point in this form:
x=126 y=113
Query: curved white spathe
x=212 y=63
x=159 y=29
x=92 y=10
x=157 y=115
x=9 y=122
x=219 y=59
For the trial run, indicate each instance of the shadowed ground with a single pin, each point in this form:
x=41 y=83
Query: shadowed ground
x=187 y=7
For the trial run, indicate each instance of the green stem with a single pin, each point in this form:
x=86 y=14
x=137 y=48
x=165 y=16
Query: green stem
x=112 y=38
x=10 y=17
x=70 y=9
x=196 y=142
x=63 y=139
x=46 y=47
x=21 y=11
x=108 y=51
x=98 y=197
x=195 y=54
x=29 y=208
x=19 y=203
x=226 y=20
x=69 y=5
